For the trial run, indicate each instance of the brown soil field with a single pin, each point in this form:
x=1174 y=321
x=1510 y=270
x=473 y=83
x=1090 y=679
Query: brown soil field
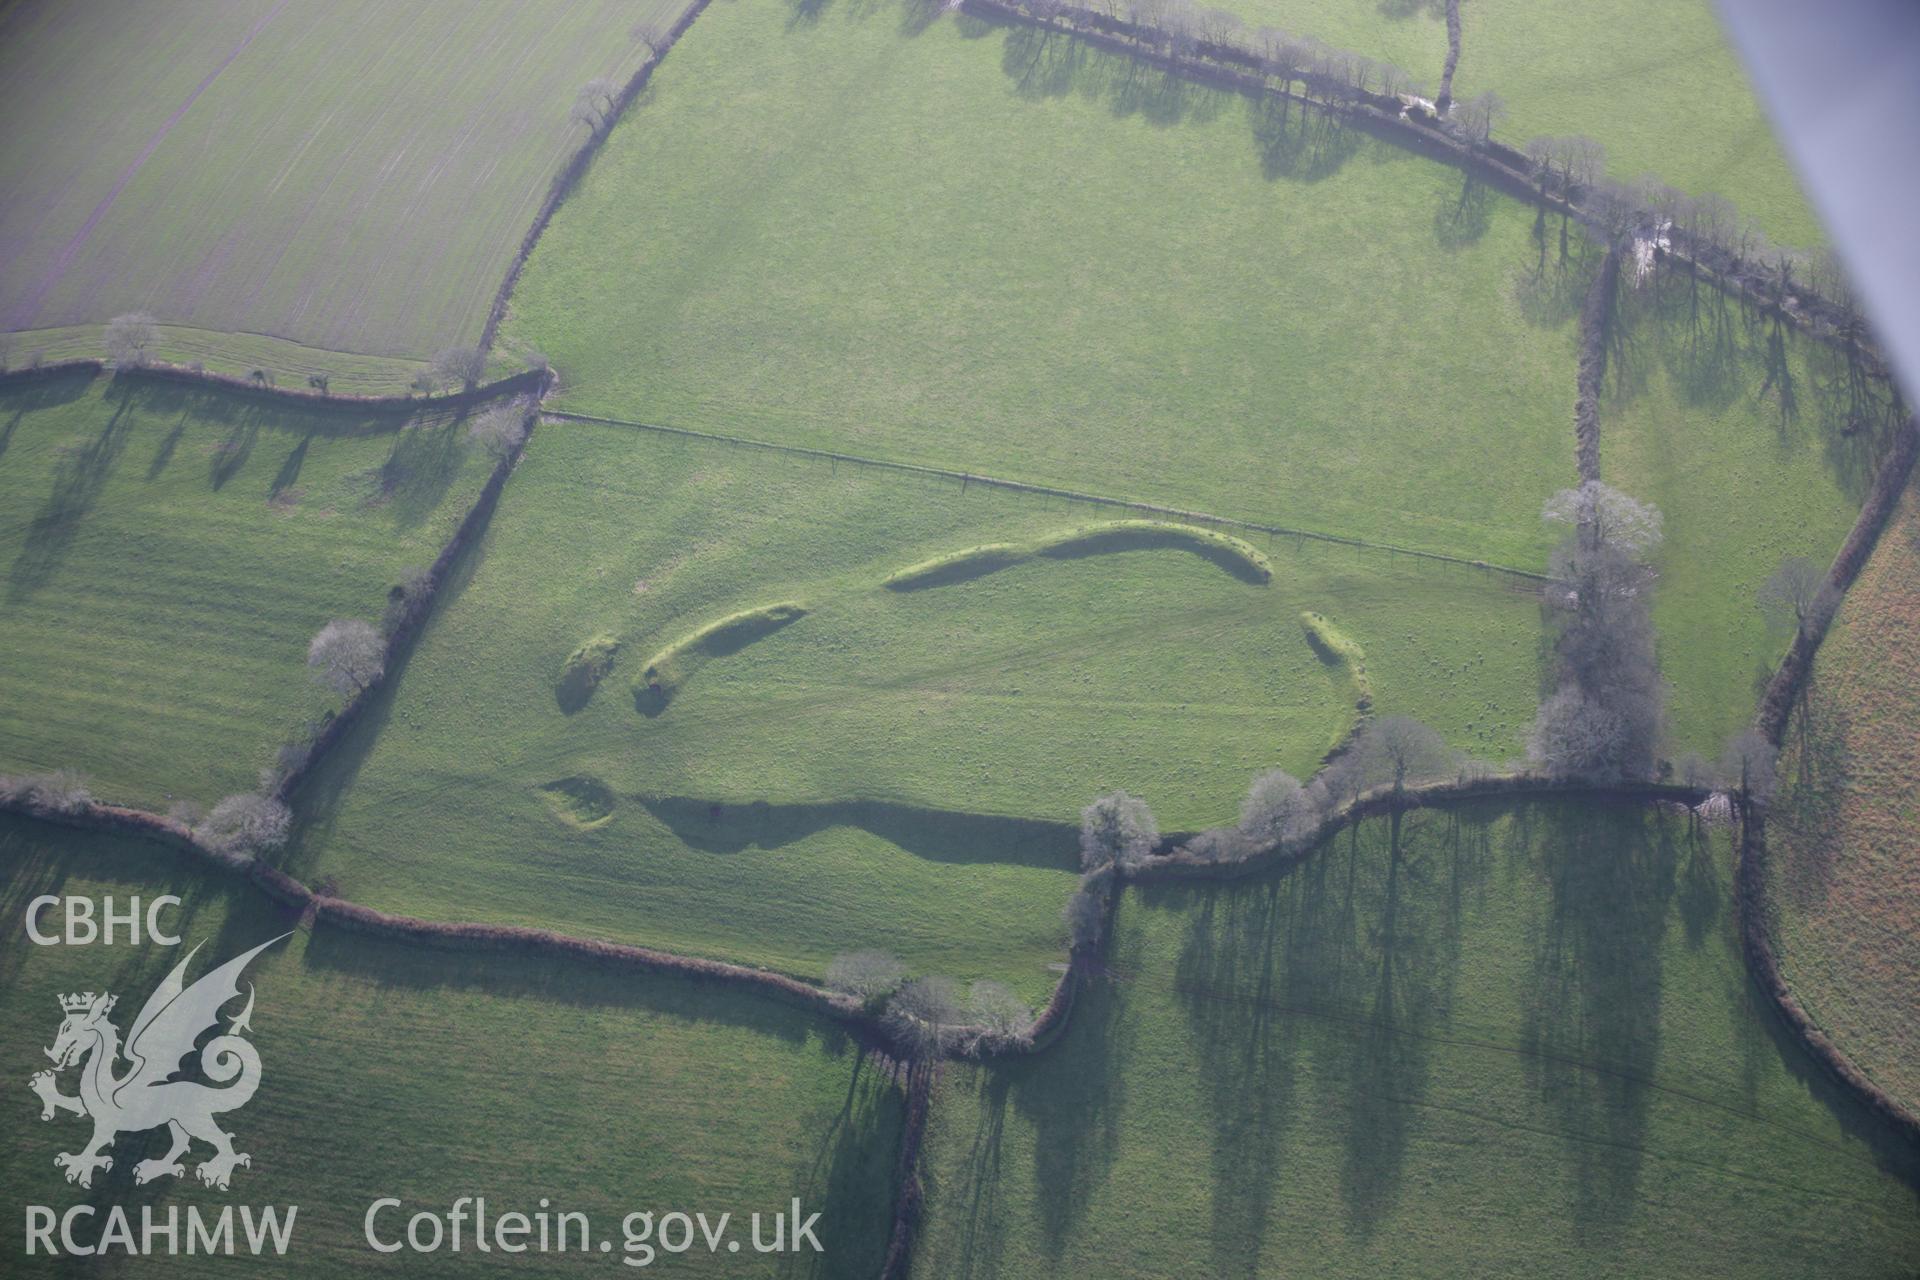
x=1844 y=837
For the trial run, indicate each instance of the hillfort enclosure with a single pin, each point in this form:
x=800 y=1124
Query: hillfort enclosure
x=994 y=639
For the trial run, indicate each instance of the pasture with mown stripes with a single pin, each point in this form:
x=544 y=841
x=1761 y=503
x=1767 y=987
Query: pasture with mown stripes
x=170 y=551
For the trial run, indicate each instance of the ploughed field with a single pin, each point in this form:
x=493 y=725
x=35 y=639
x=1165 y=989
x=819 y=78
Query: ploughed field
x=1845 y=835
x=285 y=182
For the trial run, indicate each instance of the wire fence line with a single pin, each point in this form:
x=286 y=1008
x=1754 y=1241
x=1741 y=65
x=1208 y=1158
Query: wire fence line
x=966 y=478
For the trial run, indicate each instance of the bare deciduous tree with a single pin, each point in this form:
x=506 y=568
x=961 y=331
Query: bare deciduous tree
x=1277 y=809
x=59 y=793
x=347 y=655
x=246 y=823
x=460 y=366
x=1750 y=765
x=593 y=105
x=1477 y=117
x=652 y=34
x=1400 y=749
x=1602 y=516
x=1220 y=28
x=995 y=1007
x=1575 y=736
x=500 y=429
x=1604 y=719
x=130 y=340
x=1795 y=595
x=1086 y=917
x=866 y=975
x=921 y=1015
x=1116 y=829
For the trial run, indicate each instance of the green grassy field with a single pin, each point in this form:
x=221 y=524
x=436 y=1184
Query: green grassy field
x=1411 y=34
x=170 y=553
x=1524 y=1046
x=1105 y=280
x=397 y=1071
x=1690 y=424
x=896 y=768
x=1658 y=84
x=1844 y=856
x=347 y=177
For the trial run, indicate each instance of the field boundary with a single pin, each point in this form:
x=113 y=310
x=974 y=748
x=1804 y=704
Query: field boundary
x=418 y=605
x=1444 y=98
x=576 y=167
x=531 y=381
x=1201 y=518
x=1776 y=710
x=1596 y=322
x=1598 y=208
x=317 y=906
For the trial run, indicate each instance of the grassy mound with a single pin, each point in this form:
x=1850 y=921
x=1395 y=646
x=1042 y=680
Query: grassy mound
x=580 y=801
x=1022 y=695
x=582 y=672
x=1235 y=556
x=727 y=1101
x=670 y=668
x=1337 y=649
x=958 y=566
x=1504 y=1041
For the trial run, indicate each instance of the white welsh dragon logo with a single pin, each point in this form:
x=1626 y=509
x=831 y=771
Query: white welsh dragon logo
x=146 y=1096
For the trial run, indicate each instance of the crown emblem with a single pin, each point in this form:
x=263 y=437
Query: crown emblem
x=80 y=1002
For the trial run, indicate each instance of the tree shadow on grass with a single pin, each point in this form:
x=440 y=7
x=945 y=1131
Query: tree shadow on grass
x=1045 y=63
x=1548 y=292
x=1591 y=1025
x=1724 y=354
x=35 y=395
x=1462 y=220
x=1805 y=823
x=1074 y=1101
x=289 y=472
x=1349 y=959
x=80 y=473
x=849 y=1178
x=976 y=1199
x=1298 y=141
x=1247 y=1047
x=419 y=470
x=937 y=835
x=1405 y=959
